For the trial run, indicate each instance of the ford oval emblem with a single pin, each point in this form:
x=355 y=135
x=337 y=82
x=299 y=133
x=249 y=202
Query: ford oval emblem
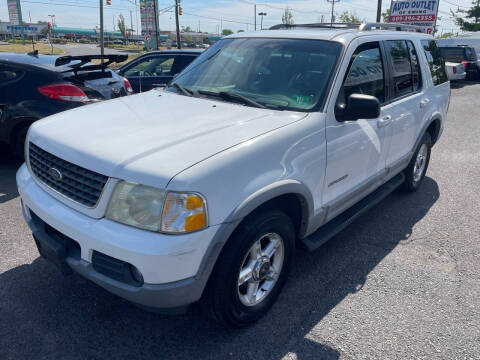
x=55 y=174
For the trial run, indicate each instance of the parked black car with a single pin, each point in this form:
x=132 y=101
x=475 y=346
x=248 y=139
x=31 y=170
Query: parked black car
x=465 y=55
x=156 y=68
x=34 y=86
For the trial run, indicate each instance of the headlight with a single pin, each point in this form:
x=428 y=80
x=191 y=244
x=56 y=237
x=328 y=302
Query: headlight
x=154 y=209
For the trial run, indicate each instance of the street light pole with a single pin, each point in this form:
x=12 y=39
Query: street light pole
x=102 y=50
x=255 y=16
x=262 y=14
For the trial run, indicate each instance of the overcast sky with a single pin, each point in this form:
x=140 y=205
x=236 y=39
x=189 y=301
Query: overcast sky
x=210 y=15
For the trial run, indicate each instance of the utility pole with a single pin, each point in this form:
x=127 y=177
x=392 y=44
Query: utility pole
x=155 y=14
x=177 y=25
x=102 y=50
x=261 y=14
x=332 y=19
x=255 y=16
x=379 y=11
x=131 y=25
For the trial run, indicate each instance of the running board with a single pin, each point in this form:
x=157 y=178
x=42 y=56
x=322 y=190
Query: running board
x=334 y=226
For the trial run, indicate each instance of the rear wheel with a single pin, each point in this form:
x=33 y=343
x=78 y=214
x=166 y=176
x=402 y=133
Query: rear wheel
x=251 y=270
x=416 y=170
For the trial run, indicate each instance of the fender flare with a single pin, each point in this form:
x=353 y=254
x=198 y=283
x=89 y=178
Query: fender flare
x=245 y=208
x=435 y=117
x=269 y=192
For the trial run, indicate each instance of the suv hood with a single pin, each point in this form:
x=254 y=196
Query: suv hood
x=149 y=138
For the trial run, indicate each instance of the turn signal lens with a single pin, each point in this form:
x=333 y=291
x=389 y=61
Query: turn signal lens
x=184 y=212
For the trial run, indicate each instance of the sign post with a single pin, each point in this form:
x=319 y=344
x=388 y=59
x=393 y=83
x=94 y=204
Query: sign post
x=414 y=12
x=15 y=16
x=149 y=21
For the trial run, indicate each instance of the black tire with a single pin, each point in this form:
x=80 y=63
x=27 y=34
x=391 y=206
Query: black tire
x=221 y=300
x=412 y=183
x=19 y=144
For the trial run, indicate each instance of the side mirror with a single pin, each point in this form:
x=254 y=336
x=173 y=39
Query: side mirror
x=360 y=106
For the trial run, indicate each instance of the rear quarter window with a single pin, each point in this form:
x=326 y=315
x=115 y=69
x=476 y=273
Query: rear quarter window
x=435 y=61
x=8 y=74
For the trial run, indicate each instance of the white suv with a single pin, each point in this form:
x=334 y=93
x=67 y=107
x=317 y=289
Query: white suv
x=267 y=141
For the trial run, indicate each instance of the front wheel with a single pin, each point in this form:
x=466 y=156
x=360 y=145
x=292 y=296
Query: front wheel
x=416 y=170
x=251 y=270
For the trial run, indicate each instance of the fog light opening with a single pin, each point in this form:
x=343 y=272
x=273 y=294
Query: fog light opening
x=136 y=274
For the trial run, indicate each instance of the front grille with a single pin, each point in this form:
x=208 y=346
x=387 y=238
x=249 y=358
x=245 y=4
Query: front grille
x=77 y=183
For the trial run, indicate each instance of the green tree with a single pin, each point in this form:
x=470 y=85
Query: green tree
x=287 y=17
x=226 y=32
x=239 y=31
x=386 y=16
x=187 y=29
x=349 y=17
x=472 y=14
x=121 y=25
x=44 y=30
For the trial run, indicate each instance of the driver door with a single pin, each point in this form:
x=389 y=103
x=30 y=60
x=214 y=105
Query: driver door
x=357 y=150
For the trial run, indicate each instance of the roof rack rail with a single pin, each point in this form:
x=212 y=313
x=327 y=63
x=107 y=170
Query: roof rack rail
x=389 y=26
x=317 y=25
x=358 y=26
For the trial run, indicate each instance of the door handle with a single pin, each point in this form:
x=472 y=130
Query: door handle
x=424 y=102
x=385 y=121
x=159 y=85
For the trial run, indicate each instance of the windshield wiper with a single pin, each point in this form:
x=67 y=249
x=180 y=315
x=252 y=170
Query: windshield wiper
x=232 y=96
x=182 y=89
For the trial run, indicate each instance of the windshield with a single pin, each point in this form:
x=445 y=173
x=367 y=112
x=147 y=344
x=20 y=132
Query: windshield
x=291 y=74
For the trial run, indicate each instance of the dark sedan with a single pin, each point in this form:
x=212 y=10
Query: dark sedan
x=34 y=86
x=156 y=68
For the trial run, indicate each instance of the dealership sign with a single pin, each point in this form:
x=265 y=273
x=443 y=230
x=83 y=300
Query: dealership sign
x=14 y=12
x=414 y=12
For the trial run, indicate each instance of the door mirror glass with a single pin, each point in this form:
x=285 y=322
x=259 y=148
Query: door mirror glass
x=361 y=106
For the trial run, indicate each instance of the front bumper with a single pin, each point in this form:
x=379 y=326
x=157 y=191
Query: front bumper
x=174 y=267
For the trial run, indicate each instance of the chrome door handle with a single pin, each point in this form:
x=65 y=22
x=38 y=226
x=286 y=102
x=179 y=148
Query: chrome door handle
x=159 y=85
x=424 y=102
x=385 y=121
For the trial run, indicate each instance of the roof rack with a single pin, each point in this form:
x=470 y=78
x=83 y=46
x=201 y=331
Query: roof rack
x=358 y=26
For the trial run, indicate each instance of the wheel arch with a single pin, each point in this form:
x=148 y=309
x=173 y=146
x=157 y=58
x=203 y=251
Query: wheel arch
x=277 y=195
x=290 y=196
x=434 y=127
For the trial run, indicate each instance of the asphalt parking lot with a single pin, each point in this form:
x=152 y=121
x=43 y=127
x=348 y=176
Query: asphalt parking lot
x=402 y=282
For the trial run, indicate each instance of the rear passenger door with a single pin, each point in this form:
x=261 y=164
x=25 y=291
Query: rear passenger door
x=406 y=99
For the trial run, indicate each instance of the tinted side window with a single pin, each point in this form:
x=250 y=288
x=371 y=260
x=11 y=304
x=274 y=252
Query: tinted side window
x=152 y=66
x=435 y=61
x=8 y=73
x=401 y=67
x=417 y=74
x=365 y=75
